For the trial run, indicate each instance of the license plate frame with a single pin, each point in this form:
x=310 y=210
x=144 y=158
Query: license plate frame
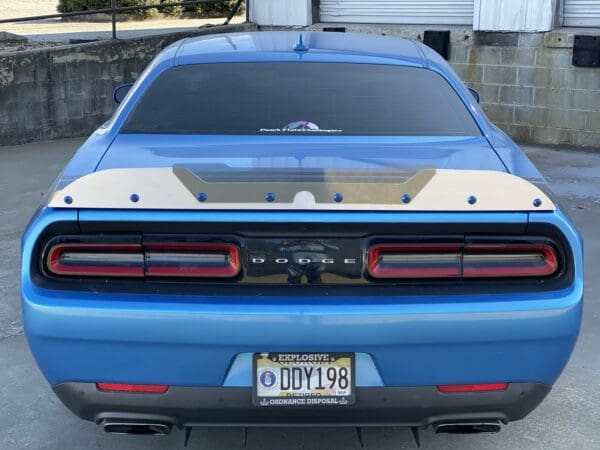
x=271 y=361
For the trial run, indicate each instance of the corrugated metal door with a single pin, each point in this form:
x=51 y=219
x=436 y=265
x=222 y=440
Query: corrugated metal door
x=582 y=13
x=281 y=12
x=447 y=12
x=510 y=15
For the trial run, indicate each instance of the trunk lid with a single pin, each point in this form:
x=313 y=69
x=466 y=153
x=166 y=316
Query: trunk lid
x=389 y=156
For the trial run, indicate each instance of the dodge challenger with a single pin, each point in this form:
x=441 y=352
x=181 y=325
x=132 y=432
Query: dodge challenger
x=304 y=229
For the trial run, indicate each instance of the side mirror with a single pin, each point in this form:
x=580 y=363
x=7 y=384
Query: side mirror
x=475 y=94
x=121 y=91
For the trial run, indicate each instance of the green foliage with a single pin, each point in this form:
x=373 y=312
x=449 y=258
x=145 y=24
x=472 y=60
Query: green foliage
x=209 y=9
x=89 y=5
x=218 y=9
x=171 y=10
x=81 y=5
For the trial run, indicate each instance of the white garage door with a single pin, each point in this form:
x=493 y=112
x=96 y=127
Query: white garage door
x=446 y=12
x=582 y=13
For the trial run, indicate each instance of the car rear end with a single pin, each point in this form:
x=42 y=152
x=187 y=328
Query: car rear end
x=293 y=260
x=428 y=345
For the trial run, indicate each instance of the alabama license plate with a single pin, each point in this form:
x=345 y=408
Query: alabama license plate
x=303 y=379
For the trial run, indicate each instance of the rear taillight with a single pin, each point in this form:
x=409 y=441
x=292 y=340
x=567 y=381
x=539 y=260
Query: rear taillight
x=100 y=260
x=403 y=261
x=414 y=261
x=218 y=260
x=509 y=260
x=192 y=260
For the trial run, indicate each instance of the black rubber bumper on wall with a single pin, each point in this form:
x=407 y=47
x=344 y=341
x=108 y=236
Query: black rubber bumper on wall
x=377 y=406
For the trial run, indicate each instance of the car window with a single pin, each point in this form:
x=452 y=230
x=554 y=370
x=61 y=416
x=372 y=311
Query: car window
x=301 y=98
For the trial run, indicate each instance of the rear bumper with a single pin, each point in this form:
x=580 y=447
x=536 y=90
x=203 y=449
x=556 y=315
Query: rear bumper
x=75 y=338
x=386 y=406
x=196 y=345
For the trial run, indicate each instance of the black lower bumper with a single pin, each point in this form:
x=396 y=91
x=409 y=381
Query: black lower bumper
x=377 y=406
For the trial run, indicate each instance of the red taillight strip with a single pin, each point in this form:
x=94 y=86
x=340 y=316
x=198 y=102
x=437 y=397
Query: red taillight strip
x=124 y=387
x=59 y=268
x=482 y=387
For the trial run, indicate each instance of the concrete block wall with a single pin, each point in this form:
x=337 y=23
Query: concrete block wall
x=526 y=82
x=67 y=91
x=529 y=87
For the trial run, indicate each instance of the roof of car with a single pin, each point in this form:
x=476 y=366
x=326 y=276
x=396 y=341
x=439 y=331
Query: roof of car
x=271 y=45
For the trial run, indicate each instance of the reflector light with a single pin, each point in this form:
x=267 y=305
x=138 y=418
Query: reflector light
x=121 y=387
x=485 y=387
x=402 y=261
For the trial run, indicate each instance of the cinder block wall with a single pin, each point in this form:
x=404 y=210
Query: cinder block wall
x=67 y=91
x=526 y=81
x=530 y=89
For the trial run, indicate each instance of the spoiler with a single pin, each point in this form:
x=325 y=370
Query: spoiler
x=179 y=188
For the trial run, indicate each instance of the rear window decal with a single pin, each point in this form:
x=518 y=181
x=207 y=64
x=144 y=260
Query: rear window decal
x=299 y=126
x=302 y=125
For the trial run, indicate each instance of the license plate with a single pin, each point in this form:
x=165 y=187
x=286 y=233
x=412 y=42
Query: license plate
x=303 y=379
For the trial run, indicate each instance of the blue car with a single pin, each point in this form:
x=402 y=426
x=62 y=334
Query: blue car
x=298 y=228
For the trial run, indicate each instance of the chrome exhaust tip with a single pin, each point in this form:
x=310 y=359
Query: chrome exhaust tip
x=117 y=426
x=468 y=427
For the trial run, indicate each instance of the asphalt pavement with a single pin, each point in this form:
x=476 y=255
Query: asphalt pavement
x=32 y=418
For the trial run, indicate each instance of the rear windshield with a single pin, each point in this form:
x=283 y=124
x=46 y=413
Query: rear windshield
x=301 y=98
